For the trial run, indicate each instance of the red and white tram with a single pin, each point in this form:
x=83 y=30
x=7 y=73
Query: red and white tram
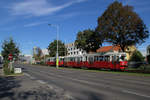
x=51 y=61
x=109 y=60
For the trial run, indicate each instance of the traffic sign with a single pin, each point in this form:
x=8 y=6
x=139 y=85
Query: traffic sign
x=10 y=56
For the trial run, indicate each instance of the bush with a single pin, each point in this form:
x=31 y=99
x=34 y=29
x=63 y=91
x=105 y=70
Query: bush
x=144 y=67
x=6 y=68
x=137 y=56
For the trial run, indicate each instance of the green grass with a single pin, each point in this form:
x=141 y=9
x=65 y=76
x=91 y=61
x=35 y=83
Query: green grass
x=108 y=71
x=15 y=74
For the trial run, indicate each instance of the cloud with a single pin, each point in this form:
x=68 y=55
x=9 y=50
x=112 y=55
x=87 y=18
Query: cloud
x=35 y=24
x=38 y=7
x=139 y=5
x=68 y=15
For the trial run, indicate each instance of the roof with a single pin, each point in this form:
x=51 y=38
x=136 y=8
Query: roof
x=108 y=49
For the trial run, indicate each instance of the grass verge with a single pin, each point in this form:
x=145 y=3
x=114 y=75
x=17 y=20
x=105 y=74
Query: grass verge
x=108 y=71
x=15 y=74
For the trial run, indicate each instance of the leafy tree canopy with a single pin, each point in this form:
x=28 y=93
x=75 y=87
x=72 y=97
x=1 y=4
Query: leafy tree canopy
x=137 y=56
x=88 y=40
x=52 y=48
x=120 y=25
x=10 y=47
x=37 y=54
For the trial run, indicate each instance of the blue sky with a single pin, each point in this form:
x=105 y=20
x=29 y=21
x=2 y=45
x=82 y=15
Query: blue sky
x=27 y=20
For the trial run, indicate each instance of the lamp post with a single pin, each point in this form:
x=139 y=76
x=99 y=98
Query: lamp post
x=57 y=54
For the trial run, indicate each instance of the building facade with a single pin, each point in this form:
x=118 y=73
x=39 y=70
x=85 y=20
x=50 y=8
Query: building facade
x=148 y=54
x=129 y=50
x=72 y=50
x=148 y=50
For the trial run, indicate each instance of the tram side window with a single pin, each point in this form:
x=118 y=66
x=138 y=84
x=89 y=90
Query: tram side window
x=86 y=58
x=90 y=59
x=100 y=58
x=48 y=59
x=95 y=58
x=81 y=59
x=70 y=59
x=117 y=59
x=73 y=59
x=107 y=58
x=78 y=59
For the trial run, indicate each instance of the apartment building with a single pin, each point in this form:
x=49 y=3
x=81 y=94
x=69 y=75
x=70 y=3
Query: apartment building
x=72 y=50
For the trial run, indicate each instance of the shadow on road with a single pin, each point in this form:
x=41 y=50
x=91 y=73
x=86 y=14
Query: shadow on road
x=7 y=84
x=94 y=96
x=12 y=88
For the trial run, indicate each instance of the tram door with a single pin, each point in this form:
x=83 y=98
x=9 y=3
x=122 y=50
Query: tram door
x=115 y=61
x=114 y=57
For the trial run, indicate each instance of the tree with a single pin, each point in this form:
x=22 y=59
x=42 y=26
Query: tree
x=10 y=47
x=37 y=53
x=121 y=26
x=88 y=40
x=137 y=56
x=52 y=48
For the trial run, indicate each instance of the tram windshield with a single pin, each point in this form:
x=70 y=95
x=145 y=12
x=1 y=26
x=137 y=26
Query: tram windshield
x=123 y=58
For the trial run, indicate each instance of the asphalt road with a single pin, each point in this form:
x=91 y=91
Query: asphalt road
x=89 y=85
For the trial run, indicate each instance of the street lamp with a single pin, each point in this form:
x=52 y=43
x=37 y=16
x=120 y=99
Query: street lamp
x=57 y=54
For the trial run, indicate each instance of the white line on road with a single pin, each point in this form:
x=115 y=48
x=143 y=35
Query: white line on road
x=105 y=86
x=31 y=77
x=41 y=81
x=135 y=93
x=27 y=74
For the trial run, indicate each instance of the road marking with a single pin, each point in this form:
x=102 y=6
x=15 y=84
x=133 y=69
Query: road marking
x=51 y=87
x=105 y=85
x=41 y=81
x=135 y=93
x=79 y=80
x=31 y=77
x=27 y=74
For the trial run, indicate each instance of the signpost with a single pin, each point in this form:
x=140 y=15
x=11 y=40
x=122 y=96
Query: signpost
x=10 y=58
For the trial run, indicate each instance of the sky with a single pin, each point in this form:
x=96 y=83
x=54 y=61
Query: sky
x=26 y=21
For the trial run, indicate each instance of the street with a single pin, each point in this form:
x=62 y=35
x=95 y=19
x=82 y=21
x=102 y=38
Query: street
x=90 y=85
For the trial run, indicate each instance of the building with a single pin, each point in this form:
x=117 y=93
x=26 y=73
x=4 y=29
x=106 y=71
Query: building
x=72 y=50
x=148 y=50
x=28 y=59
x=148 y=54
x=44 y=52
x=129 y=50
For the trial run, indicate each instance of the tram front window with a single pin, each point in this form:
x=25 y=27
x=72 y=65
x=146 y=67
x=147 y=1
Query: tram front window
x=122 y=58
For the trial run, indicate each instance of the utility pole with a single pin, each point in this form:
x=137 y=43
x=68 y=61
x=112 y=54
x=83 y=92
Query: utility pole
x=57 y=54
